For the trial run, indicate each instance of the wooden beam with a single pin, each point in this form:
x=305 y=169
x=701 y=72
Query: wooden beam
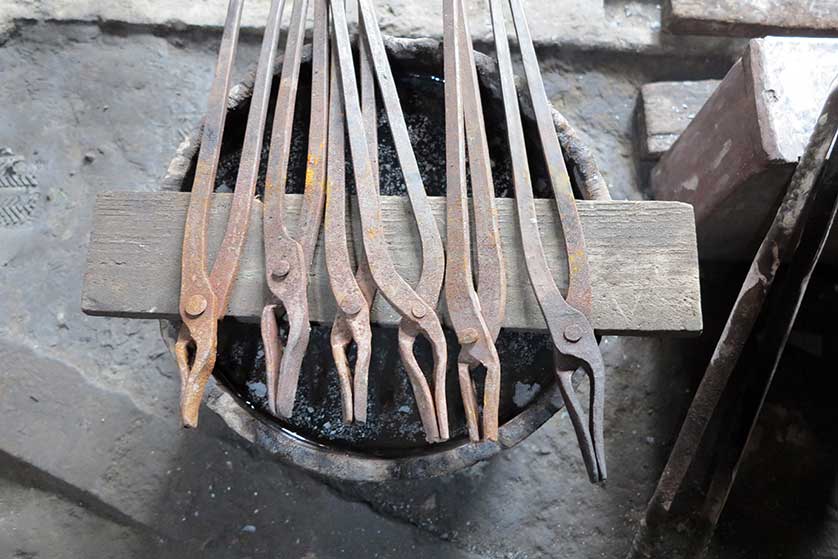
x=751 y=18
x=666 y=109
x=643 y=261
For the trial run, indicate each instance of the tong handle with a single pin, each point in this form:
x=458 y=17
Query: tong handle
x=195 y=283
x=579 y=287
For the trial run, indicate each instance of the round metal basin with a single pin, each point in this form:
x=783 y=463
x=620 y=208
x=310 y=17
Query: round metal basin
x=391 y=444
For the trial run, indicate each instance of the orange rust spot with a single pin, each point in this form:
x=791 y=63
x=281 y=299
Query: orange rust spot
x=573 y=260
x=309 y=176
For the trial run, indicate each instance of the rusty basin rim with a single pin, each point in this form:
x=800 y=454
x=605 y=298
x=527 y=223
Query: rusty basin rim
x=418 y=55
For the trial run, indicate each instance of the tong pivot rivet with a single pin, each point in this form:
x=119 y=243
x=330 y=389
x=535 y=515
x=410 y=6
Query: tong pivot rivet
x=468 y=336
x=283 y=268
x=195 y=306
x=351 y=305
x=573 y=333
x=419 y=311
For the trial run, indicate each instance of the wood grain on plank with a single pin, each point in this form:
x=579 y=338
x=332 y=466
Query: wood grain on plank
x=642 y=255
x=751 y=18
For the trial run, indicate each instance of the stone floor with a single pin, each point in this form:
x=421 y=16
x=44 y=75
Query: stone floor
x=95 y=96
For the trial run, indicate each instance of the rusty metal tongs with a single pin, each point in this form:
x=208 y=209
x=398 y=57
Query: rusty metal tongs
x=287 y=260
x=416 y=307
x=203 y=296
x=568 y=320
x=476 y=315
x=354 y=292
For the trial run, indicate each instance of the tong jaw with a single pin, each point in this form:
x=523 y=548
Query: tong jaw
x=288 y=282
x=352 y=325
x=576 y=348
x=197 y=335
x=433 y=410
x=477 y=348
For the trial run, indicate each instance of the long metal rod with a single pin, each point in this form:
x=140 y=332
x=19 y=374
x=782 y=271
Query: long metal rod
x=544 y=286
x=276 y=178
x=783 y=305
x=460 y=296
x=796 y=236
x=369 y=108
x=775 y=248
x=195 y=234
x=311 y=214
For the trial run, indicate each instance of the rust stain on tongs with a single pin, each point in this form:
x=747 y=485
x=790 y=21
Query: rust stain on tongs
x=567 y=319
x=463 y=116
x=417 y=308
x=204 y=296
x=287 y=260
x=354 y=293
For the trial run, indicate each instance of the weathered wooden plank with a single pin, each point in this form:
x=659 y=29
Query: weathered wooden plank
x=642 y=256
x=735 y=158
x=665 y=111
x=751 y=18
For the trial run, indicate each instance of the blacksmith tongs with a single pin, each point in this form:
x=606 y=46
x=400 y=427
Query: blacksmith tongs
x=416 y=307
x=568 y=320
x=354 y=291
x=288 y=260
x=475 y=314
x=204 y=296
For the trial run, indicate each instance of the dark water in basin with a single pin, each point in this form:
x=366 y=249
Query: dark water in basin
x=393 y=426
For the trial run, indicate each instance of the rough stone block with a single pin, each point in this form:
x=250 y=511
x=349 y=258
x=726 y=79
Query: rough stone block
x=666 y=109
x=752 y=18
x=733 y=161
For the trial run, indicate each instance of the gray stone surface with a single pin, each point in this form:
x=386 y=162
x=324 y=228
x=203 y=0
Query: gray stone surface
x=534 y=500
x=791 y=79
x=626 y=25
x=199 y=490
x=752 y=18
x=40 y=524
